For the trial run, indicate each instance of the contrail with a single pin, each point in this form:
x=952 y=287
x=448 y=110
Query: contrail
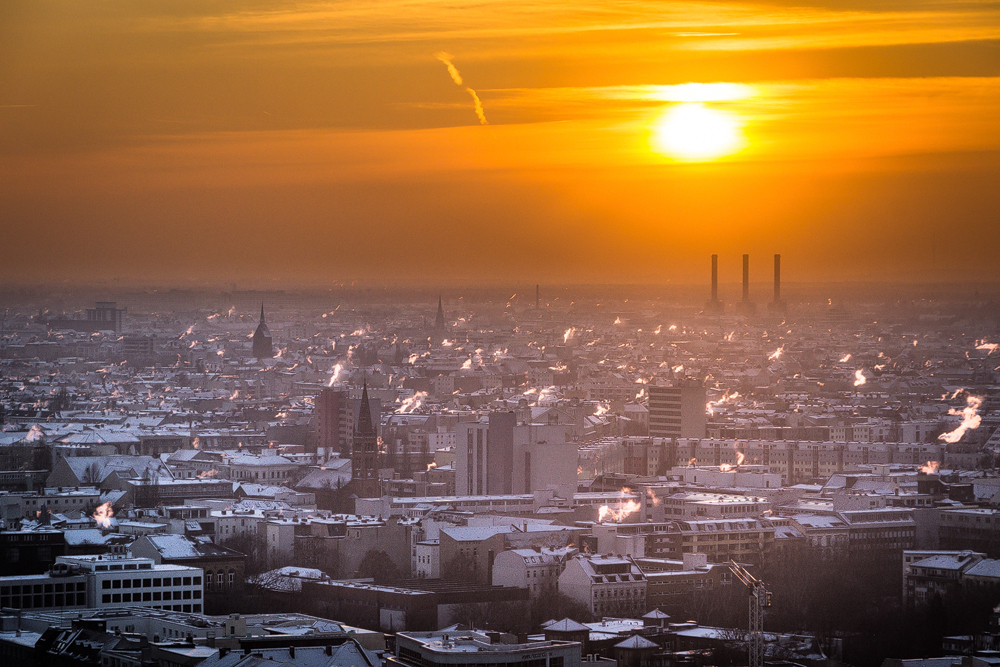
x=452 y=70
x=479 y=107
x=457 y=78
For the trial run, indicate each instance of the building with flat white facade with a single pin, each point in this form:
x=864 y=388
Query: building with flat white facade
x=115 y=580
x=106 y=581
x=608 y=585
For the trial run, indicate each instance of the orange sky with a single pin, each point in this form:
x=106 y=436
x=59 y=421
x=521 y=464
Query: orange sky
x=317 y=141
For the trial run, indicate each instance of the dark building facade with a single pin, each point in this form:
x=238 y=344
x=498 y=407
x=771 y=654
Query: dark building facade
x=262 y=347
x=364 y=453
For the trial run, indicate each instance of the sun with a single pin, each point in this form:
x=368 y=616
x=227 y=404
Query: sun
x=693 y=132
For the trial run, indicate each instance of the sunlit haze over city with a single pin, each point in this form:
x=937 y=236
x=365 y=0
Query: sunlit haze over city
x=500 y=334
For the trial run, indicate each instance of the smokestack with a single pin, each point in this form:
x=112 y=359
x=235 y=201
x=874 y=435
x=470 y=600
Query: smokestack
x=538 y=300
x=715 y=278
x=777 y=278
x=746 y=278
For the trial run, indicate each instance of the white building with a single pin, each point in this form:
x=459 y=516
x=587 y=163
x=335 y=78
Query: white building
x=115 y=580
x=537 y=570
x=608 y=585
x=261 y=469
x=427 y=559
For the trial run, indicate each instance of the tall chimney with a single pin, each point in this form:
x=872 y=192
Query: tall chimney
x=715 y=278
x=777 y=278
x=746 y=278
x=537 y=298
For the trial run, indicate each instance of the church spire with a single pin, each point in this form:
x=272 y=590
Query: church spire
x=439 y=320
x=365 y=425
x=262 y=347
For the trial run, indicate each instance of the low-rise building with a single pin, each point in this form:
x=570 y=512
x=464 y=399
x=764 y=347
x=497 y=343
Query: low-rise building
x=106 y=581
x=679 y=586
x=471 y=648
x=537 y=570
x=608 y=585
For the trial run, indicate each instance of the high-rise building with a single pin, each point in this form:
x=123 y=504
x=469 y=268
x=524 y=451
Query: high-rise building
x=677 y=411
x=329 y=423
x=498 y=456
x=336 y=416
x=262 y=348
x=364 y=452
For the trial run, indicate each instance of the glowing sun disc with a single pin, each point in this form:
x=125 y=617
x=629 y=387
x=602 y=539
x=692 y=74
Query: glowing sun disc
x=693 y=132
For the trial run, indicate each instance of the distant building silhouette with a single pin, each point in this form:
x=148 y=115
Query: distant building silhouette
x=104 y=316
x=439 y=319
x=262 y=347
x=364 y=452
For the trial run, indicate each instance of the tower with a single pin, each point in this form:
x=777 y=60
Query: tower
x=439 y=319
x=714 y=305
x=364 y=452
x=777 y=304
x=746 y=278
x=262 y=347
x=746 y=305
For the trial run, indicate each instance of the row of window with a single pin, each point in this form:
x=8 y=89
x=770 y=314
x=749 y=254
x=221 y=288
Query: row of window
x=150 y=582
x=220 y=578
x=48 y=601
x=155 y=596
x=123 y=566
x=43 y=588
x=196 y=608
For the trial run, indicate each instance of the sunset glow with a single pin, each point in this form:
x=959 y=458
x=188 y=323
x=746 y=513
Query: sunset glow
x=692 y=131
x=150 y=122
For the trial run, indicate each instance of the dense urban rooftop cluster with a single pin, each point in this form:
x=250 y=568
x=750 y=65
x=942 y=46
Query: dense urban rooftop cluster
x=547 y=482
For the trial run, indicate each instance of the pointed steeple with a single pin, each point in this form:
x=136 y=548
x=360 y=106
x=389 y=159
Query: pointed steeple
x=439 y=320
x=262 y=347
x=365 y=425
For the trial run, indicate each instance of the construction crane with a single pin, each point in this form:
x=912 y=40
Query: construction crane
x=760 y=599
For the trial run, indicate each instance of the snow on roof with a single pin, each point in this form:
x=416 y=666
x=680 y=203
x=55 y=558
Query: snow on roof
x=174 y=546
x=987 y=567
x=636 y=642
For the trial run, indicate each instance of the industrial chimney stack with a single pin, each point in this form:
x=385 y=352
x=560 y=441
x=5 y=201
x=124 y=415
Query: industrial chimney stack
x=777 y=304
x=714 y=305
x=747 y=306
x=746 y=278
